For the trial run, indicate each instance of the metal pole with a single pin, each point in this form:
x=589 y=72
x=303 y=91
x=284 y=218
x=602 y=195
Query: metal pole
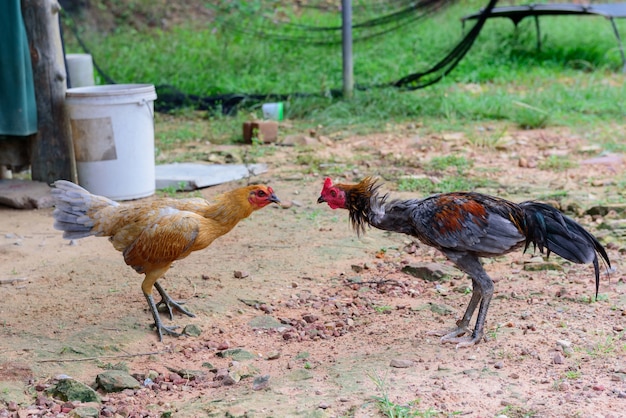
x=346 y=36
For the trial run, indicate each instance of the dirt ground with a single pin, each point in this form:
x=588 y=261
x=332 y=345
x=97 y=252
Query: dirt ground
x=352 y=326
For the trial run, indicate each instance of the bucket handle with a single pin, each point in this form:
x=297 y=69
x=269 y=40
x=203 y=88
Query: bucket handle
x=145 y=102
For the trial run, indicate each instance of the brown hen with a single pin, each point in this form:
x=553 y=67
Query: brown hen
x=152 y=234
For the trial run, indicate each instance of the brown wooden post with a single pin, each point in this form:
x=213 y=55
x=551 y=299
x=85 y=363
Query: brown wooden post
x=52 y=156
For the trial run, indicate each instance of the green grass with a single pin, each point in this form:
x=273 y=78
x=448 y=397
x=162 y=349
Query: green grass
x=557 y=163
x=574 y=81
x=460 y=163
x=390 y=409
x=446 y=184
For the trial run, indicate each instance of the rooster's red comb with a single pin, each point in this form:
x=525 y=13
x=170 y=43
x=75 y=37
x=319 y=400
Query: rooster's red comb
x=328 y=183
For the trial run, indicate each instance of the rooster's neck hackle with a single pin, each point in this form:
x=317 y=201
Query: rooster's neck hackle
x=358 y=201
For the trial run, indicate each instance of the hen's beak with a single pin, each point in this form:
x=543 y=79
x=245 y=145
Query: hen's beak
x=321 y=199
x=273 y=198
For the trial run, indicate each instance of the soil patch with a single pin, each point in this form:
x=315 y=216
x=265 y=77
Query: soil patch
x=331 y=320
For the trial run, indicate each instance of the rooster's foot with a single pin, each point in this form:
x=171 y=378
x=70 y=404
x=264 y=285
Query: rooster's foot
x=448 y=334
x=467 y=341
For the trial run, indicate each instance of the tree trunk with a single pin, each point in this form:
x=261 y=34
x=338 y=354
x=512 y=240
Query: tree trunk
x=52 y=155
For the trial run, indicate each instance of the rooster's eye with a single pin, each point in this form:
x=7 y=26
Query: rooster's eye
x=261 y=193
x=333 y=193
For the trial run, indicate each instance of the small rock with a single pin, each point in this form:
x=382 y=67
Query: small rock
x=564 y=343
x=209 y=366
x=598 y=388
x=243 y=370
x=187 y=374
x=558 y=358
x=324 y=405
x=192 y=330
x=499 y=365
x=240 y=274
x=522 y=162
x=261 y=382
x=310 y=318
x=356 y=268
x=400 y=363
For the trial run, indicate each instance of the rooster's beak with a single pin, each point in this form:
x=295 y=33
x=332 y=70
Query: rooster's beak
x=321 y=199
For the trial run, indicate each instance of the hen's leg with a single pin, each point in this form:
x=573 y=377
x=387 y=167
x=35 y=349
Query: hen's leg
x=146 y=287
x=160 y=328
x=169 y=302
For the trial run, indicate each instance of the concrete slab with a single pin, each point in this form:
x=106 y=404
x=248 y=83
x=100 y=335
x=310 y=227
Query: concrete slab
x=191 y=176
x=25 y=194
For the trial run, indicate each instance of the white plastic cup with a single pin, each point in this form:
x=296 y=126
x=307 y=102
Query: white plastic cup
x=273 y=111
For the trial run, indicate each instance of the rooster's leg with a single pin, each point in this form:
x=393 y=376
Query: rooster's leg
x=169 y=302
x=462 y=324
x=482 y=292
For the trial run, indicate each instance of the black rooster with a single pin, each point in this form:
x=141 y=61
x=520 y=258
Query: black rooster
x=464 y=227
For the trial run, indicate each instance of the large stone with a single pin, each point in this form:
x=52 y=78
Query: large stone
x=116 y=381
x=73 y=390
x=25 y=194
x=236 y=354
x=265 y=322
x=84 y=412
x=432 y=272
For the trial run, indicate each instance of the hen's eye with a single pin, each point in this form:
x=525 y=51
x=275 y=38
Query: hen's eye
x=261 y=193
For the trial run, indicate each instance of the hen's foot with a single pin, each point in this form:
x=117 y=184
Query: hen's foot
x=162 y=329
x=167 y=305
x=170 y=303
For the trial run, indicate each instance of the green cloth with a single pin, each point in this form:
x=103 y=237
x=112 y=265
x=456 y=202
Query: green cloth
x=18 y=108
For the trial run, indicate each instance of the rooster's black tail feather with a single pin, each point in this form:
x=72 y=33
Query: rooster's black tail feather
x=548 y=228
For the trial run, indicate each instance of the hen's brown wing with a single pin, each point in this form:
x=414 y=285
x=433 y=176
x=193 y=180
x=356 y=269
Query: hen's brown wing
x=159 y=239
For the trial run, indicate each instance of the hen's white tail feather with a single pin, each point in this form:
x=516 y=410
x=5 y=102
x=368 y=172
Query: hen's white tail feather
x=73 y=206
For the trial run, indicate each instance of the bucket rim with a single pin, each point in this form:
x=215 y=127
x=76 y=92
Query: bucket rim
x=110 y=90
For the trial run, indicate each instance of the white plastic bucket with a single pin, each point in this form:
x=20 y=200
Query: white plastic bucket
x=113 y=136
x=80 y=70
